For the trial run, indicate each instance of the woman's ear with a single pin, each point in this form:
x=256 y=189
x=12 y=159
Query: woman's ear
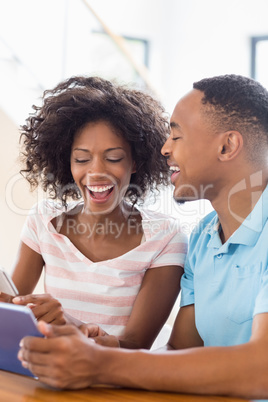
x=134 y=167
x=231 y=145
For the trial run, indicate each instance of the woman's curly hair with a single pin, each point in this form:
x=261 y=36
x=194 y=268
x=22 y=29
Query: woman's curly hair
x=49 y=131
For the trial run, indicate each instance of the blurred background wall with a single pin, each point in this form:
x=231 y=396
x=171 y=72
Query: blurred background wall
x=161 y=45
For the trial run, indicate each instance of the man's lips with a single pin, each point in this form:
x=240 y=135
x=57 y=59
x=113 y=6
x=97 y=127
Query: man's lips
x=176 y=171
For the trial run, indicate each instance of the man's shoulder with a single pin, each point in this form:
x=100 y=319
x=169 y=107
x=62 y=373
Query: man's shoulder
x=204 y=228
x=201 y=235
x=206 y=224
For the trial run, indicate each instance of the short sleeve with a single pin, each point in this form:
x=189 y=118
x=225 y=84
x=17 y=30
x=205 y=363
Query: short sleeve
x=29 y=234
x=187 y=280
x=261 y=303
x=174 y=251
x=187 y=285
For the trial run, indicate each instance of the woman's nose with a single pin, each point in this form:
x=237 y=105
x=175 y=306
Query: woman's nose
x=97 y=166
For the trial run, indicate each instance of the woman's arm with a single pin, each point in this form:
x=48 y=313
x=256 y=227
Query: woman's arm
x=27 y=269
x=26 y=273
x=159 y=290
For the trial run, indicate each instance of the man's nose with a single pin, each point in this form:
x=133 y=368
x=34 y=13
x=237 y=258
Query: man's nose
x=166 y=149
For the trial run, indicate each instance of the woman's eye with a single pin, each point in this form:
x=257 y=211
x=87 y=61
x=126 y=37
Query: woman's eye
x=81 y=160
x=175 y=138
x=114 y=160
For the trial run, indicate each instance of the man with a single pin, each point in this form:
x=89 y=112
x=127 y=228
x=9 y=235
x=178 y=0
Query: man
x=218 y=150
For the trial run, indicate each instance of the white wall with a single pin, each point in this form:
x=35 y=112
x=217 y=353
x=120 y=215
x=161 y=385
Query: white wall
x=189 y=39
x=15 y=198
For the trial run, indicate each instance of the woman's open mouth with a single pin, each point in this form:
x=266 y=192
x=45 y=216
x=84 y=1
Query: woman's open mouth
x=99 y=193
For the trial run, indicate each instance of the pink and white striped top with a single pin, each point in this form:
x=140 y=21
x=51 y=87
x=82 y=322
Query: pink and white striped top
x=100 y=292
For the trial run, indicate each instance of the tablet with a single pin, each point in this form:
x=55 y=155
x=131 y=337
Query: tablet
x=16 y=322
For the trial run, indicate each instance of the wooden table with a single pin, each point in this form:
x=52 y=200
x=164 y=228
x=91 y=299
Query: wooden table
x=18 y=388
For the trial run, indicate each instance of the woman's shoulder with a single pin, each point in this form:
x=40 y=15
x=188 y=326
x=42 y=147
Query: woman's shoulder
x=163 y=224
x=149 y=215
x=48 y=208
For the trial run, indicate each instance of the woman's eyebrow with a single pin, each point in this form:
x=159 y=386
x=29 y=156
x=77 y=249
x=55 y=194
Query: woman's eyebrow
x=81 y=149
x=113 y=149
x=106 y=150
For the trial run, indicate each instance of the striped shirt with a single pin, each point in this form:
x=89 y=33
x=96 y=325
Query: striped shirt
x=100 y=292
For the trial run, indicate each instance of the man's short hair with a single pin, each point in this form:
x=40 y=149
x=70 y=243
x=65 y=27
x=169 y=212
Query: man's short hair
x=234 y=102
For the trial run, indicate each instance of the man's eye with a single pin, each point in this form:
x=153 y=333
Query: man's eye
x=175 y=138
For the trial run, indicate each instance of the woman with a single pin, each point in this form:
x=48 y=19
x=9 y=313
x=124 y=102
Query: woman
x=106 y=261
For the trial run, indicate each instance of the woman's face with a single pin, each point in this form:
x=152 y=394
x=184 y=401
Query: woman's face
x=101 y=166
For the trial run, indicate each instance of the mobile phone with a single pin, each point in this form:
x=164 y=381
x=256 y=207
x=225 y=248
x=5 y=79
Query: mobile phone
x=16 y=323
x=6 y=284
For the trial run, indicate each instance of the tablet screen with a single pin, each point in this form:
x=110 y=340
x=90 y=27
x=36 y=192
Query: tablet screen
x=16 y=322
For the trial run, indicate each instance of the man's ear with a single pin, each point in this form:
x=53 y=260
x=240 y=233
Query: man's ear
x=231 y=145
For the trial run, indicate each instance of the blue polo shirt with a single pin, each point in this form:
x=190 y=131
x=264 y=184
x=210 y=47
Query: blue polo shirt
x=228 y=283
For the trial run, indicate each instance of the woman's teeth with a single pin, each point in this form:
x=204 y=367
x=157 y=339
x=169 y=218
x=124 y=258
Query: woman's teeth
x=99 y=189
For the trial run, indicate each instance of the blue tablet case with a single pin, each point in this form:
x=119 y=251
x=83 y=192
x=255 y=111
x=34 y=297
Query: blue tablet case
x=16 y=322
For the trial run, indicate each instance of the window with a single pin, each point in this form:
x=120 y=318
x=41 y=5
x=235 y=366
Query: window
x=259 y=59
x=113 y=62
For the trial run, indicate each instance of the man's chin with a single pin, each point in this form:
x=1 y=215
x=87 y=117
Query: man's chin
x=186 y=197
x=179 y=200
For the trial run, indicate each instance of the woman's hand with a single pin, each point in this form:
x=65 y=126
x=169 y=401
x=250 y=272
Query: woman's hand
x=100 y=337
x=5 y=298
x=44 y=307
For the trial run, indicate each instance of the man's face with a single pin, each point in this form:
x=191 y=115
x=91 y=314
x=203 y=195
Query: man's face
x=192 y=150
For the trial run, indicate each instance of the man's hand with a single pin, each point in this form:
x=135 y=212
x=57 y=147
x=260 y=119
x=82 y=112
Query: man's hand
x=65 y=359
x=44 y=307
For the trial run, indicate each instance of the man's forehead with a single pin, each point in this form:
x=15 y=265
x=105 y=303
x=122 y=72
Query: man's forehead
x=190 y=102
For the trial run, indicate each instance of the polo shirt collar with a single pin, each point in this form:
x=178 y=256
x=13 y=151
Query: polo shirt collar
x=249 y=230
x=213 y=230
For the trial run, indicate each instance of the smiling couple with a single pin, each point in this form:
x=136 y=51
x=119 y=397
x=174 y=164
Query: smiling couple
x=219 y=342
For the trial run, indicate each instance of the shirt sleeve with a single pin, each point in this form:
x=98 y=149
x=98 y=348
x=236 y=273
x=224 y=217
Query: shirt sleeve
x=173 y=253
x=187 y=280
x=261 y=303
x=187 y=285
x=29 y=234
